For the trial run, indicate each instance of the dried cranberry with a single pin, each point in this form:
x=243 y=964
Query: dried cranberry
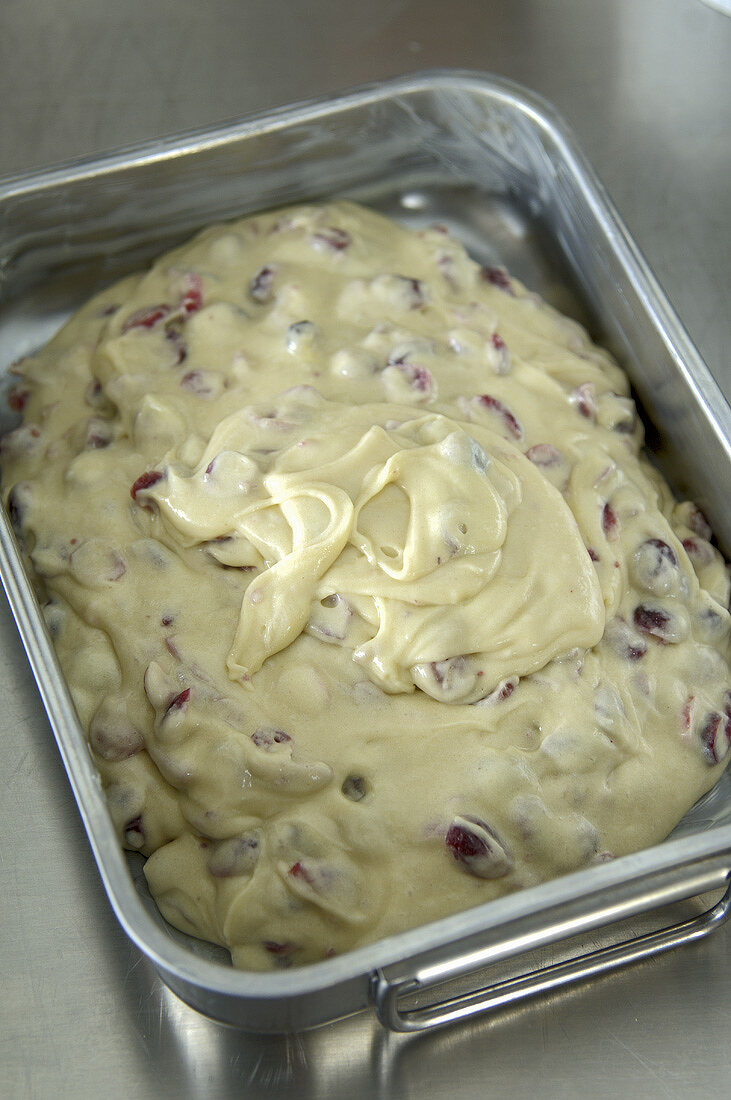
x=700 y=551
x=115 y=742
x=413 y=292
x=275 y=948
x=610 y=523
x=147 y=317
x=333 y=237
x=299 y=871
x=192 y=299
x=487 y=401
x=699 y=524
x=134 y=834
x=261 y=285
x=145 y=481
x=715 y=739
x=503 y=355
x=179 y=703
x=475 y=846
x=498 y=276
x=655 y=566
x=652 y=620
x=180 y=347
x=17 y=399
x=195 y=382
x=99 y=433
x=233 y=857
x=544 y=454
x=585 y=400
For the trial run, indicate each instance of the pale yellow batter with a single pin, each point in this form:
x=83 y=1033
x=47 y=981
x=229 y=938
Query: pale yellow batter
x=369 y=603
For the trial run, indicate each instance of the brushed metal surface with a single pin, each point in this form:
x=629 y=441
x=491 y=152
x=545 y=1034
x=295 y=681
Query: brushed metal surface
x=647 y=92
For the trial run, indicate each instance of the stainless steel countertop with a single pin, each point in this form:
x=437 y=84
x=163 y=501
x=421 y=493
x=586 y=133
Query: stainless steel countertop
x=646 y=87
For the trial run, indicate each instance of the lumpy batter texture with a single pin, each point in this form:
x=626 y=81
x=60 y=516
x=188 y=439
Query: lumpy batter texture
x=369 y=602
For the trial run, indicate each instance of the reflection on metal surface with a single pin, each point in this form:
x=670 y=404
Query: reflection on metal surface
x=496 y=997
x=724 y=6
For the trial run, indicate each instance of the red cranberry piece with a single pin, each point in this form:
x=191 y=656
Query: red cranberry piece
x=94 y=394
x=499 y=277
x=452 y=679
x=267 y=738
x=299 y=871
x=420 y=378
x=700 y=552
x=658 y=553
x=115 y=742
x=507 y=688
x=487 y=401
x=192 y=298
x=477 y=849
x=653 y=620
x=237 y=856
x=712 y=626
x=167 y=620
x=715 y=737
x=686 y=714
x=699 y=524
x=415 y=293
x=17 y=398
x=195 y=382
x=592 y=554
x=544 y=454
x=146 y=318
x=299 y=334
x=355 y=787
x=655 y=566
x=145 y=481
x=625 y=426
x=503 y=355
x=21 y=441
x=624 y=641
x=502 y=692
x=180 y=347
x=610 y=523
x=281 y=950
x=99 y=433
x=134 y=834
x=333 y=237
x=179 y=704
x=446 y=265
x=117 y=567
x=262 y=285
x=585 y=400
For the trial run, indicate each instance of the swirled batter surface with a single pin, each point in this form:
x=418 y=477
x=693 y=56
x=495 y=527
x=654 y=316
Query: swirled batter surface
x=369 y=602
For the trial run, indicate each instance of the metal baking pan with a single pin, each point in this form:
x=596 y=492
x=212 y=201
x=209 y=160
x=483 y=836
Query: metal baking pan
x=496 y=165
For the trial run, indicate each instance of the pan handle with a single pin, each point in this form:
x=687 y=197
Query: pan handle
x=386 y=994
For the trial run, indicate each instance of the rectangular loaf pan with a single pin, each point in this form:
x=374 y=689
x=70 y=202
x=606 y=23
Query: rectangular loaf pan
x=496 y=165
